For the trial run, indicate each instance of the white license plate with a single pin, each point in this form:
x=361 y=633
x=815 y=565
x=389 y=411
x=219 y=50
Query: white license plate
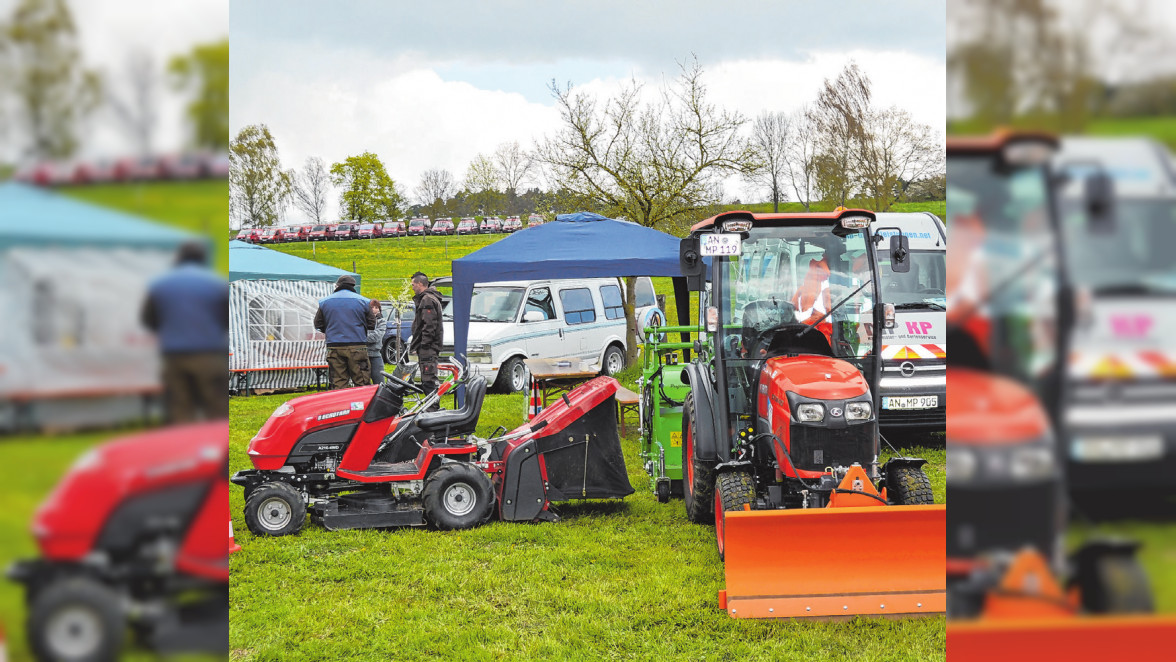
x=1117 y=449
x=720 y=244
x=911 y=402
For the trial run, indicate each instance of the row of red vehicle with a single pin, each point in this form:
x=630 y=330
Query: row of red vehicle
x=196 y=165
x=417 y=227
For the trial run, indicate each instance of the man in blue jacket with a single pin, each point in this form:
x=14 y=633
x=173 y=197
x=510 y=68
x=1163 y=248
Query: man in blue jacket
x=346 y=317
x=188 y=309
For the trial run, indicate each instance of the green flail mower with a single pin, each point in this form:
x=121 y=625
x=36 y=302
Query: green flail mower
x=662 y=396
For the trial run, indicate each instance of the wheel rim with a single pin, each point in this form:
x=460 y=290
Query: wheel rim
x=274 y=513
x=518 y=376
x=719 y=521
x=460 y=499
x=74 y=631
x=615 y=362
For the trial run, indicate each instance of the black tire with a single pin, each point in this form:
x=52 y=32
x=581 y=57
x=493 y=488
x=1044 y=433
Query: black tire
x=390 y=346
x=1117 y=584
x=512 y=376
x=275 y=509
x=733 y=491
x=662 y=491
x=77 y=619
x=613 y=361
x=458 y=496
x=908 y=486
x=698 y=476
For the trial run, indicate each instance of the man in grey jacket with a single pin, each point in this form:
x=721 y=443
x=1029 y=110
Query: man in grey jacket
x=375 y=343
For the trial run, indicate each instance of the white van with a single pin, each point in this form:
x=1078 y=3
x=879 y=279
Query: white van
x=913 y=391
x=581 y=319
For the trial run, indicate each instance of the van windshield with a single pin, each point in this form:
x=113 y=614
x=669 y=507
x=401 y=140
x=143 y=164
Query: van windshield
x=492 y=304
x=925 y=285
x=1132 y=258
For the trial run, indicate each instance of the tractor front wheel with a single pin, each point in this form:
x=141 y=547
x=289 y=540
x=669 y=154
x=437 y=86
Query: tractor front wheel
x=275 y=509
x=1115 y=584
x=698 y=479
x=458 y=496
x=733 y=491
x=908 y=486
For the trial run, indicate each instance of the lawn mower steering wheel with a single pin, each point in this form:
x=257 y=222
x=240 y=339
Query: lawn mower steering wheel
x=400 y=382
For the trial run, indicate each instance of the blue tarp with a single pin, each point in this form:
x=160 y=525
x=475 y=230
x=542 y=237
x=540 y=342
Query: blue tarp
x=581 y=245
x=250 y=262
x=34 y=216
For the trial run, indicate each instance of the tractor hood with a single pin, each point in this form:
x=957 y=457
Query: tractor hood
x=817 y=377
x=70 y=520
x=990 y=410
x=272 y=444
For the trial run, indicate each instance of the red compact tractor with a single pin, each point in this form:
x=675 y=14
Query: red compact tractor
x=358 y=459
x=134 y=535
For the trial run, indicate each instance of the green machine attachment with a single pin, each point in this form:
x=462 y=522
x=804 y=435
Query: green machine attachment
x=662 y=395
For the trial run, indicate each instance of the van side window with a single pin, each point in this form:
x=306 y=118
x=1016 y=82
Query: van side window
x=539 y=300
x=613 y=305
x=578 y=306
x=645 y=294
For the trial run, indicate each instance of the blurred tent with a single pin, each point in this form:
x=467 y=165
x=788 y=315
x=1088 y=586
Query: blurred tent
x=581 y=245
x=272 y=301
x=73 y=277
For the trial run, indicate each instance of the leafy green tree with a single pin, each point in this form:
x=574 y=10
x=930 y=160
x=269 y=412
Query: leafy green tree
x=259 y=189
x=369 y=194
x=204 y=75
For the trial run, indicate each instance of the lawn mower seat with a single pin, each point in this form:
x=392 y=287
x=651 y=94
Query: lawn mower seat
x=452 y=422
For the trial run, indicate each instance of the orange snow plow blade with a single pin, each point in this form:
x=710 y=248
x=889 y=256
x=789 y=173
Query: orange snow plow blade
x=832 y=562
x=1077 y=639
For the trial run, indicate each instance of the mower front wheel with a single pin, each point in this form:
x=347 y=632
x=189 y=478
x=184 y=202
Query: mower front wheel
x=275 y=509
x=698 y=476
x=458 y=496
x=733 y=491
x=77 y=619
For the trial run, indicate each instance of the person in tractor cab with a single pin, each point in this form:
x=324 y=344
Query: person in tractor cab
x=812 y=300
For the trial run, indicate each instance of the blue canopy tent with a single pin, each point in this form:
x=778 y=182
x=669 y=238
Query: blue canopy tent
x=581 y=245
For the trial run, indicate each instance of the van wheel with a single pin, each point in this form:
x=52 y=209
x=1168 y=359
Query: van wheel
x=614 y=360
x=513 y=376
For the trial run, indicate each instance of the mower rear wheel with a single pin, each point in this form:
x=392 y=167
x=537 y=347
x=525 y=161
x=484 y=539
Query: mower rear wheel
x=275 y=509
x=733 y=491
x=458 y=496
x=76 y=619
x=698 y=480
x=908 y=486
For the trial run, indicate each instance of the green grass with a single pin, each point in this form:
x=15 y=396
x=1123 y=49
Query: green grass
x=1160 y=128
x=200 y=206
x=613 y=580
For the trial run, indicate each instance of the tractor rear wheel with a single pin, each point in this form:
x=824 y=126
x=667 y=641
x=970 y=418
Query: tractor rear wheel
x=908 y=486
x=698 y=476
x=733 y=491
x=458 y=496
x=275 y=509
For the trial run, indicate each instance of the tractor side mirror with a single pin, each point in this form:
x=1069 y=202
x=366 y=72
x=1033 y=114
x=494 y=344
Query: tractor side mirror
x=900 y=251
x=1099 y=195
x=691 y=264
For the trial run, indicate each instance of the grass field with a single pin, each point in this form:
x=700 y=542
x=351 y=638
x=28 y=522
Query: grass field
x=1161 y=128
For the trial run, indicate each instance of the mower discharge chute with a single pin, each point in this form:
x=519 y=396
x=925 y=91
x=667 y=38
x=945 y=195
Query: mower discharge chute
x=359 y=459
x=780 y=445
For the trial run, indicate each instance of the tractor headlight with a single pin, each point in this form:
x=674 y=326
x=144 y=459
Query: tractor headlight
x=810 y=412
x=1031 y=463
x=858 y=411
x=961 y=464
x=283 y=409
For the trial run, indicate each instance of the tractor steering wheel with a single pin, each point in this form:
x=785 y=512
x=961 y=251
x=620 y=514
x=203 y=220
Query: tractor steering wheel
x=400 y=382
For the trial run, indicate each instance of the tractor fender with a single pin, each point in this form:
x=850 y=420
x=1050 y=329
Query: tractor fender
x=912 y=462
x=706 y=446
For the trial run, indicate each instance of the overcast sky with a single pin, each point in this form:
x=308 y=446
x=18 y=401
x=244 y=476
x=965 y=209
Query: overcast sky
x=432 y=84
x=109 y=31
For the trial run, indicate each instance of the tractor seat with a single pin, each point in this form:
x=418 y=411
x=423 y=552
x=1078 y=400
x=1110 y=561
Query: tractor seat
x=457 y=421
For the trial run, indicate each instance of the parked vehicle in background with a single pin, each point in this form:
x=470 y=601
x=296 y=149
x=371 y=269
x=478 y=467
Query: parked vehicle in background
x=306 y=232
x=345 y=231
x=535 y=219
x=137 y=169
x=331 y=227
x=491 y=225
x=365 y=231
x=467 y=226
x=394 y=229
x=317 y=233
x=269 y=236
x=47 y=173
x=248 y=235
x=443 y=227
x=377 y=230
x=418 y=227
x=395 y=347
x=512 y=224
x=92 y=172
x=289 y=233
x=183 y=166
x=218 y=166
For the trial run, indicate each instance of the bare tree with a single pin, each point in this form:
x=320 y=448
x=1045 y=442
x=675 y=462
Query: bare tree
x=840 y=117
x=770 y=134
x=895 y=150
x=311 y=187
x=657 y=164
x=436 y=184
x=800 y=157
x=514 y=164
x=136 y=102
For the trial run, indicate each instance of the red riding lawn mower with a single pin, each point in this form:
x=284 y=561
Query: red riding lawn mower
x=134 y=535
x=780 y=429
x=1012 y=592
x=360 y=460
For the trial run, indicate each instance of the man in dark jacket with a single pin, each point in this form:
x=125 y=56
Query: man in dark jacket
x=346 y=317
x=427 y=332
x=188 y=309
